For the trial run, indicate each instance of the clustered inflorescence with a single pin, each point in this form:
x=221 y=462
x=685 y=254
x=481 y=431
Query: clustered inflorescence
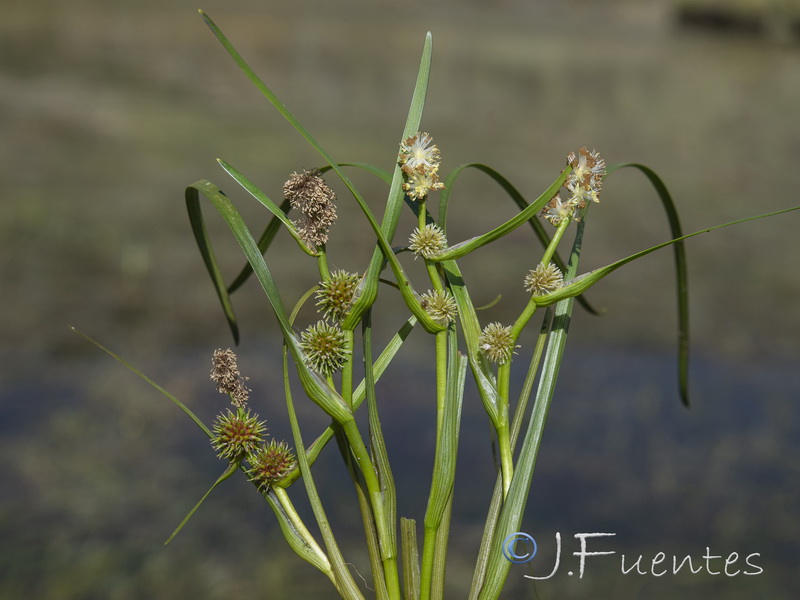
x=544 y=279
x=308 y=193
x=583 y=184
x=428 y=241
x=419 y=159
x=497 y=343
x=239 y=435
x=336 y=293
x=325 y=347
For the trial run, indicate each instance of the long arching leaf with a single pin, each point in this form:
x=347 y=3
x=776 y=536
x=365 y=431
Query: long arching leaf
x=681 y=278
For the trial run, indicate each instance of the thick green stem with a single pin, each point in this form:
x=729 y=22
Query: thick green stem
x=387 y=548
x=347 y=369
x=503 y=441
x=432 y=522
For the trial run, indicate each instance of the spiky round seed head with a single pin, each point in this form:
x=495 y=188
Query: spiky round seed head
x=325 y=347
x=237 y=435
x=429 y=241
x=420 y=182
x=496 y=343
x=335 y=294
x=225 y=373
x=269 y=463
x=544 y=279
x=419 y=151
x=440 y=305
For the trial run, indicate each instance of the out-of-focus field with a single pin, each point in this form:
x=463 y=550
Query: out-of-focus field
x=109 y=109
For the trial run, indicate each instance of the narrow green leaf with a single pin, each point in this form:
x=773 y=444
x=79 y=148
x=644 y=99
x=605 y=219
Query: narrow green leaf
x=519 y=200
x=380 y=455
x=316 y=388
x=344 y=581
x=269 y=204
x=465 y=247
x=580 y=284
x=481 y=370
x=516 y=499
x=394 y=204
x=264 y=242
x=682 y=282
x=207 y=252
x=444 y=470
x=172 y=398
x=232 y=468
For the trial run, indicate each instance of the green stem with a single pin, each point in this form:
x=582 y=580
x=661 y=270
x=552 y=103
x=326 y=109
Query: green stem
x=388 y=550
x=551 y=247
x=432 y=523
x=347 y=369
x=503 y=441
x=322 y=262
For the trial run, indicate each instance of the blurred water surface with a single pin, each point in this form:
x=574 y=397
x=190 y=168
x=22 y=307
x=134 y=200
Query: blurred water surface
x=107 y=111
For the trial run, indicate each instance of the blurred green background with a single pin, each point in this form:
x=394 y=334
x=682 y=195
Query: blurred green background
x=108 y=109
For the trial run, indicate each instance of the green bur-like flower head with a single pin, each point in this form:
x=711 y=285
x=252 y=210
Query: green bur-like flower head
x=543 y=279
x=237 y=435
x=325 y=347
x=427 y=242
x=496 y=343
x=336 y=293
x=270 y=463
x=441 y=306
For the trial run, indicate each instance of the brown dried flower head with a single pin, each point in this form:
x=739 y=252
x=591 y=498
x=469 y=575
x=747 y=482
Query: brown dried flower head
x=225 y=373
x=308 y=193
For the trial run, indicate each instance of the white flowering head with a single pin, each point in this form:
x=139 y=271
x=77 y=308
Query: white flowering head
x=420 y=182
x=583 y=184
x=419 y=151
x=428 y=242
x=496 y=343
x=544 y=279
x=440 y=305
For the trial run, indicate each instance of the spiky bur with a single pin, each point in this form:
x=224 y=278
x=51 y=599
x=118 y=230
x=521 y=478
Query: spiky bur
x=308 y=193
x=269 y=463
x=496 y=343
x=225 y=373
x=583 y=184
x=544 y=279
x=335 y=294
x=427 y=242
x=440 y=305
x=237 y=435
x=419 y=159
x=324 y=347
